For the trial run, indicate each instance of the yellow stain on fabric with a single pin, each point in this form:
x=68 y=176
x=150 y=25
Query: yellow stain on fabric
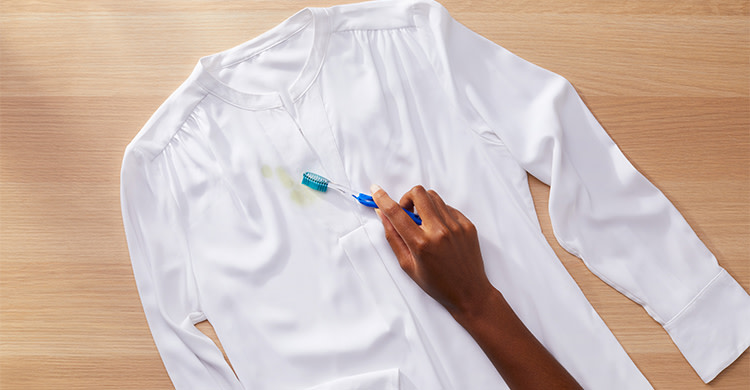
x=266 y=171
x=284 y=178
x=298 y=193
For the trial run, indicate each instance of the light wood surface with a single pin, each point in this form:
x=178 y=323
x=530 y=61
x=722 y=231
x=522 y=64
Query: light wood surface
x=669 y=80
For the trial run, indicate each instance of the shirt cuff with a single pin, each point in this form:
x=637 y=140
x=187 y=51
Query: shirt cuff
x=714 y=329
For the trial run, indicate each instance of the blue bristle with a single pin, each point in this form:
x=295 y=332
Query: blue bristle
x=315 y=181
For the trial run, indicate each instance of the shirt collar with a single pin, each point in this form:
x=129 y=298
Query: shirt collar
x=311 y=17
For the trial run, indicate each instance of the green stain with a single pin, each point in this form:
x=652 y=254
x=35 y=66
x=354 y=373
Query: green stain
x=284 y=178
x=266 y=171
x=301 y=197
x=298 y=193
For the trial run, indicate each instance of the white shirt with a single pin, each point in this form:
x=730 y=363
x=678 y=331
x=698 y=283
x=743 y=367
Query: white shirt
x=302 y=288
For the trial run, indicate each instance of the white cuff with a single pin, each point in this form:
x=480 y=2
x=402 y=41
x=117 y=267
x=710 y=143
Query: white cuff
x=714 y=329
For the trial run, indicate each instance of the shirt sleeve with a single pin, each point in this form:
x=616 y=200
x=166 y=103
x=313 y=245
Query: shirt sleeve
x=159 y=250
x=601 y=208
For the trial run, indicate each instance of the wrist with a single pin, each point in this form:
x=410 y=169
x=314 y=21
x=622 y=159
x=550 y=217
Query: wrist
x=478 y=306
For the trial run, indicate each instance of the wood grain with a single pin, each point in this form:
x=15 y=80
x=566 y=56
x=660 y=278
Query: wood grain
x=669 y=80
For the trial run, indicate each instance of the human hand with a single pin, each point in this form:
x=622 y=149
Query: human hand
x=442 y=255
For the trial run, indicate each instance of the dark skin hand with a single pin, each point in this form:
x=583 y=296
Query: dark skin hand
x=443 y=257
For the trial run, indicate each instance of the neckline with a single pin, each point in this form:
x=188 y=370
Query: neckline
x=310 y=17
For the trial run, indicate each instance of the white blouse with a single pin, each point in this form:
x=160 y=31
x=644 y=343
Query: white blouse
x=302 y=288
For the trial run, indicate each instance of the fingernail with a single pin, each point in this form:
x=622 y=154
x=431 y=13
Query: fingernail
x=374 y=188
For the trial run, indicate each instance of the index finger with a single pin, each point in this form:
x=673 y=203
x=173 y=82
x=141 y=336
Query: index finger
x=405 y=227
x=423 y=203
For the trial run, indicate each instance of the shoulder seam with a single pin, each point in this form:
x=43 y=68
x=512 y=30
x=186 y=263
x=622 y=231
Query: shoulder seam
x=181 y=126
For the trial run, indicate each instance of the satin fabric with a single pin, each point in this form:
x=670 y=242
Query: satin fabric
x=302 y=288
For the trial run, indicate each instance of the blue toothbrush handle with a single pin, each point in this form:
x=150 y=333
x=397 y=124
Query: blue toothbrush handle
x=367 y=201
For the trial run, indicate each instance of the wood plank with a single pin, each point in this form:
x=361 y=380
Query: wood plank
x=668 y=80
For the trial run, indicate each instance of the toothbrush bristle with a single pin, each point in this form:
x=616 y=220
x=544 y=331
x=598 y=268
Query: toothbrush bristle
x=315 y=181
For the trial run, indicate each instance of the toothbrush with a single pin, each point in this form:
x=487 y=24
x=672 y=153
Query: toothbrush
x=320 y=183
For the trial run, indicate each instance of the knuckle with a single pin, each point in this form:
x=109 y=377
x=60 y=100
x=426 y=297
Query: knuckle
x=390 y=208
x=454 y=227
x=469 y=227
x=442 y=233
x=436 y=197
x=406 y=199
x=421 y=244
x=418 y=189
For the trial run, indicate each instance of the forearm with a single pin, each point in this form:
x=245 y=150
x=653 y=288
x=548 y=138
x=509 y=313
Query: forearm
x=518 y=356
x=443 y=257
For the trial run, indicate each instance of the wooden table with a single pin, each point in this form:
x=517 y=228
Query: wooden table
x=669 y=80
